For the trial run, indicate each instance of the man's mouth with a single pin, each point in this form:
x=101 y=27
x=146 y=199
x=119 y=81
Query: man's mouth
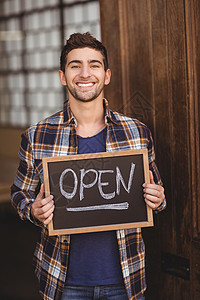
x=86 y=84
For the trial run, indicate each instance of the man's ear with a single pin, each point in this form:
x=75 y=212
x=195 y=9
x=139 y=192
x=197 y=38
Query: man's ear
x=62 y=77
x=108 y=76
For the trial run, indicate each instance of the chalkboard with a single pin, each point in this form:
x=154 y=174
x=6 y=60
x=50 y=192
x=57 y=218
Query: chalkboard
x=97 y=192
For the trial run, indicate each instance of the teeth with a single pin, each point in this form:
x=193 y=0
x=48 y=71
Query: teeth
x=85 y=84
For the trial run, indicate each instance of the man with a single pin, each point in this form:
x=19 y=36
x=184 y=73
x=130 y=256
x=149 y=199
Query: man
x=103 y=265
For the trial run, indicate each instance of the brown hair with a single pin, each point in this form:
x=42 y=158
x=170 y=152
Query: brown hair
x=82 y=40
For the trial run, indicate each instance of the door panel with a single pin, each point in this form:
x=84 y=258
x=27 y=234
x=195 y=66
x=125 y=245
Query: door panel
x=153 y=52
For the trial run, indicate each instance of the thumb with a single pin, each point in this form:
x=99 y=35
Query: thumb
x=41 y=192
x=151 y=178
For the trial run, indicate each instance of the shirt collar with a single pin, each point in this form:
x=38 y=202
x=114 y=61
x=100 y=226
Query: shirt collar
x=109 y=115
x=70 y=119
x=68 y=115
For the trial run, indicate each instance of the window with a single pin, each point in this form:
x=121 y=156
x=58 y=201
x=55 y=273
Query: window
x=32 y=34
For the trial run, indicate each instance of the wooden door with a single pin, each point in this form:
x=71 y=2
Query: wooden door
x=154 y=56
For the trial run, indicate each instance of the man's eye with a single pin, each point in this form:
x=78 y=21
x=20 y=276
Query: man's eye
x=75 y=67
x=95 y=66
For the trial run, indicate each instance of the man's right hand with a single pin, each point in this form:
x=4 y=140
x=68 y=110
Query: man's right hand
x=42 y=208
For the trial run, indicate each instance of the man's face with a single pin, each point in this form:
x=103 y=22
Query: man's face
x=84 y=75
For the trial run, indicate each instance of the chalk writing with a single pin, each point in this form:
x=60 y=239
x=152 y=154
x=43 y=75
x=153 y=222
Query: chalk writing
x=116 y=206
x=97 y=180
x=97 y=191
x=83 y=185
x=119 y=179
x=63 y=192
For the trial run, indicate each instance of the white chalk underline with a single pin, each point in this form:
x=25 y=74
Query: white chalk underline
x=115 y=206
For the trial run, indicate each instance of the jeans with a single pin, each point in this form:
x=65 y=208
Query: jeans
x=104 y=292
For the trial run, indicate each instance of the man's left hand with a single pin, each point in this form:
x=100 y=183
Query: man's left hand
x=153 y=193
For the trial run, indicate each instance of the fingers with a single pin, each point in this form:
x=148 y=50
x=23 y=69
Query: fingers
x=151 y=177
x=42 y=208
x=49 y=216
x=41 y=192
x=153 y=194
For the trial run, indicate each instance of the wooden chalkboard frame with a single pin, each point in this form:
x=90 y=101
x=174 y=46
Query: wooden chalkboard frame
x=134 y=224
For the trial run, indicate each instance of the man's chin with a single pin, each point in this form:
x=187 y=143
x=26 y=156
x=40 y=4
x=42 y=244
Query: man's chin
x=85 y=97
x=86 y=100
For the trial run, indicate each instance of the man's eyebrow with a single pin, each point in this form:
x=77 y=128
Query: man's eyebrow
x=96 y=61
x=80 y=61
x=74 y=61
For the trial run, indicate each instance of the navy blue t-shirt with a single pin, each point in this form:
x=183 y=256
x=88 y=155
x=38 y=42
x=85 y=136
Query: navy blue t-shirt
x=94 y=257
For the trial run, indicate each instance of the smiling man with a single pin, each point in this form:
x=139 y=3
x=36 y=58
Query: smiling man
x=84 y=74
x=103 y=265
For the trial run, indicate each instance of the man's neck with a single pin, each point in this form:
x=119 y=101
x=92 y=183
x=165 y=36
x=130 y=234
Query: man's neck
x=89 y=116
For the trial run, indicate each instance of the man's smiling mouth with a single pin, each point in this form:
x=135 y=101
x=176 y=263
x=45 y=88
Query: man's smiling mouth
x=88 y=84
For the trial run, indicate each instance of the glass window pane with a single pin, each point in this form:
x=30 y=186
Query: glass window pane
x=93 y=11
x=49 y=57
x=39 y=3
x=18 y=117
x=16 y=6
x=20 y=81
x=54 y=81
x=28 y=4
x=30 y=42
x=37 y=60
x=32 y=81
x=6 y=7
x=78 y=15
x=47 y=18
x=17 y=99
x=69 y=15
x=42 y=39
x=29 y=84
x=15 y=62
x=51 y=2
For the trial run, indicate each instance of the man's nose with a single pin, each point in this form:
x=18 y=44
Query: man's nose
x=85 y=71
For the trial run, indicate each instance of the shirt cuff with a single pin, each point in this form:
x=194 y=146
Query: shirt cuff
x=161 y=207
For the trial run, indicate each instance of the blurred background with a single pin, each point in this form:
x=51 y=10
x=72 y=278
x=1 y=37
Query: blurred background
x=153 y=49
x=32 y=34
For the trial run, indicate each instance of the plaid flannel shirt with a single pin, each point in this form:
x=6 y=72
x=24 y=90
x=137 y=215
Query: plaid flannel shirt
x=56 y=136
